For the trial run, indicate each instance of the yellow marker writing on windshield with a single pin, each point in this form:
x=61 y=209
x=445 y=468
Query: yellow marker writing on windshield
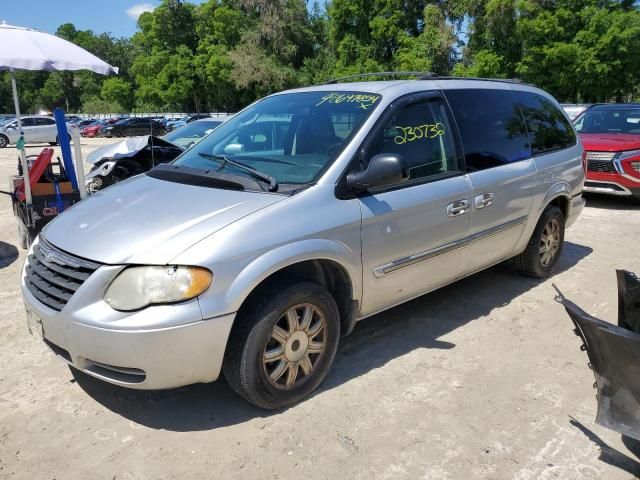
x=365 y=101
x=426 y=131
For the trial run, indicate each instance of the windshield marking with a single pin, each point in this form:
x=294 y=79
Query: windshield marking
x=364 y=100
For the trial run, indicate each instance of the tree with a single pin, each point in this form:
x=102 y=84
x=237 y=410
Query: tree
x=98 y=105
x=224 y=54
x=117 y=91
x=59 y=91
x=430 y=51
x=268 y=55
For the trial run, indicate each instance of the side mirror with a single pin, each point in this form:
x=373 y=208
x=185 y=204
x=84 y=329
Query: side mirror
x=384 y=169
x=234 y=148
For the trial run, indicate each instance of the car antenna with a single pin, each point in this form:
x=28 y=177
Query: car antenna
x=153 y=153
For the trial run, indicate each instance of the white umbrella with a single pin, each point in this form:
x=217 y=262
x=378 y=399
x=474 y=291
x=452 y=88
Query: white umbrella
x=28 y=49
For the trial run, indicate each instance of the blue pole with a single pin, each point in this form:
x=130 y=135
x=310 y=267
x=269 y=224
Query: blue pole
x=65 y=146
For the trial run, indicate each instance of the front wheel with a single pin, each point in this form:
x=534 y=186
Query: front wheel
x=283 y=344
x=4 y=141
x=545 y=246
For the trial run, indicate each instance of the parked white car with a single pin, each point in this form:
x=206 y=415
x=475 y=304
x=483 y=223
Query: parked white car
x=37 y=129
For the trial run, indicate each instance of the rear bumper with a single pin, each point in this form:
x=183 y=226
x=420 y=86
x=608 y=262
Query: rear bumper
x=577 y=205
x=189 y=351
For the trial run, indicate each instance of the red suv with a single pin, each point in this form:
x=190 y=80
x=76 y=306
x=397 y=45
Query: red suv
x=610 y=134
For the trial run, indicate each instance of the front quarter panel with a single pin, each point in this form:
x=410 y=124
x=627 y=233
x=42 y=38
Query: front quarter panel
x=311 y=225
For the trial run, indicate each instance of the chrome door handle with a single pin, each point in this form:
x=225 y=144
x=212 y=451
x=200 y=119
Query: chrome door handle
x=484 y=200
x=457 y=208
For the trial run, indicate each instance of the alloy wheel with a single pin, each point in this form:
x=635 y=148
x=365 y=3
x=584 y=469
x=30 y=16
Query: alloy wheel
x=549 y=242
x=297 y=343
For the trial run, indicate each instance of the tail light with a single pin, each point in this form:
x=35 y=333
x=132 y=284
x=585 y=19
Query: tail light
x=584 y=161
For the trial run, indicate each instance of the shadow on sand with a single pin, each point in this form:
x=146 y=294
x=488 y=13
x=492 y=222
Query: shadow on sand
x=611 y=456
x=611 y=202
x=375 y=341
x=8 y=254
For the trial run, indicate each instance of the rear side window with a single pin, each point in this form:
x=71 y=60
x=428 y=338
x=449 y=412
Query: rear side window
x=43 y=122
x=492 y=129
x=28 y=122
x=548 y=127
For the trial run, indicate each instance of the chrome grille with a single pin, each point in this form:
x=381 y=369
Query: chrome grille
x=53 y=276
x=603 y=156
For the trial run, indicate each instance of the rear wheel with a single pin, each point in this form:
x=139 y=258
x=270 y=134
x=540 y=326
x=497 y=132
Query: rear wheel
x=545 y=246
x=283 y=344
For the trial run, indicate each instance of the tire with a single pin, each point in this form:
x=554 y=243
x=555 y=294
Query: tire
x=549 y=234
x=246 y=366
x=4 y=141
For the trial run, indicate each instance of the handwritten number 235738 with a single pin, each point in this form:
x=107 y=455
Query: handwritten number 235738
x=410 y=134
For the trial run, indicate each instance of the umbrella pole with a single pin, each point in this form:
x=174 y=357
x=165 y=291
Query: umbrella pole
x=20 y=144
x=77 y=150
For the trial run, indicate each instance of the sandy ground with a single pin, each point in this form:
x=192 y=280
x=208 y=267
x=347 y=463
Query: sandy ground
x=483 y=379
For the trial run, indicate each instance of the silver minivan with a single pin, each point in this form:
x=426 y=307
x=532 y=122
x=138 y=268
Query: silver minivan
x=260 y=247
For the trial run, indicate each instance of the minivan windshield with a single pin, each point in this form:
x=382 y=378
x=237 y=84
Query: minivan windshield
x=623 y=119
x=290 y=137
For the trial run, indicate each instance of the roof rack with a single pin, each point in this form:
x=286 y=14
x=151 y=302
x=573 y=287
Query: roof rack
x=507 y=80
x=420 y=75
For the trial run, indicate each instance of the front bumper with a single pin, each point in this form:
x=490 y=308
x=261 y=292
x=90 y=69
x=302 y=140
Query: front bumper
x=612 y=184
x=613 y=355
x=158 y=347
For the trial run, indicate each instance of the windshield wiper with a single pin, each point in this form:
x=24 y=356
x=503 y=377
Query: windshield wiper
x=223 y=159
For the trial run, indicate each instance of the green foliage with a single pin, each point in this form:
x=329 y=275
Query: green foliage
x=99 y=105
x=117 y=91
x=432 y=49
x=484 y=64
x=223 y=54
x=579 y=50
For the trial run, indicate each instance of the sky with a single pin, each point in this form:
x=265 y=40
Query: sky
x=115 y=16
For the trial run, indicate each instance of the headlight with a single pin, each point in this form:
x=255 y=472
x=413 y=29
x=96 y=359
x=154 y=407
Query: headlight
x=628 y=154
x=137 y=287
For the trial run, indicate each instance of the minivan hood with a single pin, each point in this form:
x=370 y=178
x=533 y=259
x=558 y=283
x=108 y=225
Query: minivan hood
x=149 y=221
x=610 y=142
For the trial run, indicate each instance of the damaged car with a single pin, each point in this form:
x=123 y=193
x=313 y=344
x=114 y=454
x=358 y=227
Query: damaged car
x=136 y=155
x=614 y=356
x=122 y=160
